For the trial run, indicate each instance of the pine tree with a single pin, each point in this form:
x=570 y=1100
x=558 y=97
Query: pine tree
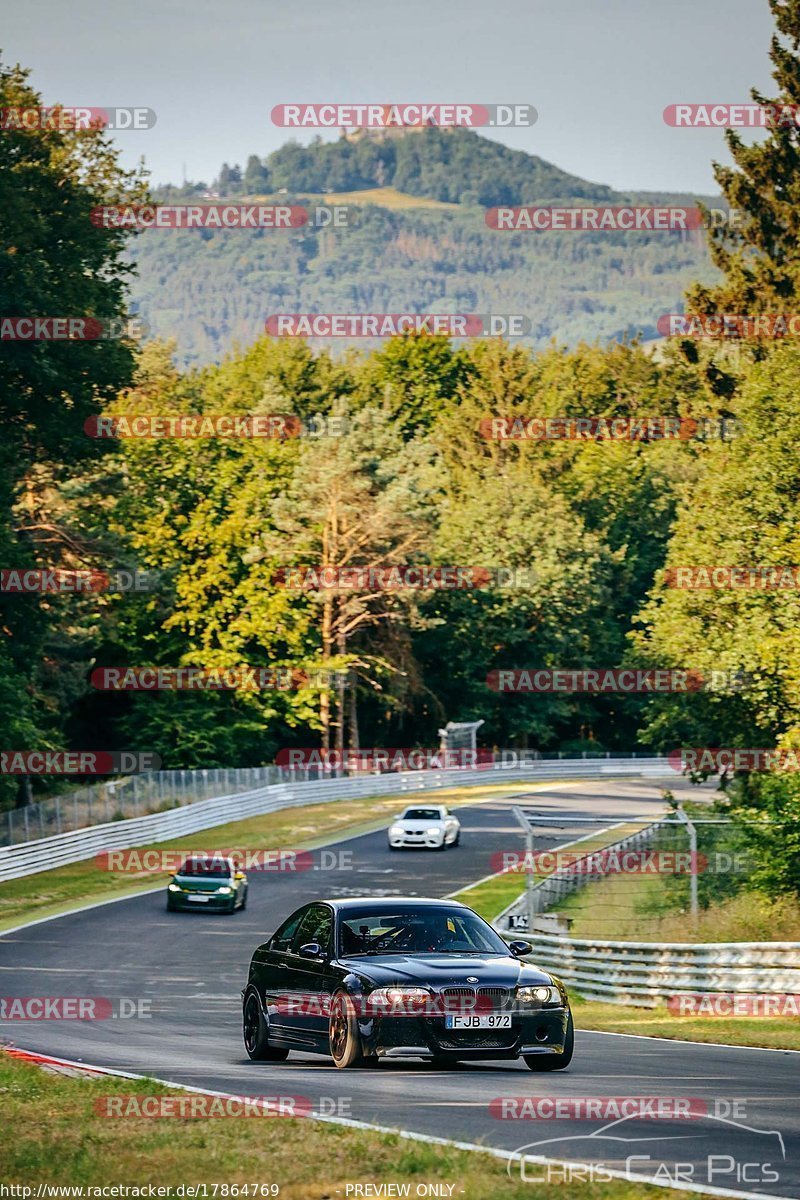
x=760 y=256
x=256 y=175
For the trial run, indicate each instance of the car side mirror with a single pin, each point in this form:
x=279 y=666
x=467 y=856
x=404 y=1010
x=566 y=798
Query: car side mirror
x=519 y=948
x=239 y=875
x=311 y=950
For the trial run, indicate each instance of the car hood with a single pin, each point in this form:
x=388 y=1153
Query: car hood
x=421 y=826
x=201 y=883
x=446 y=970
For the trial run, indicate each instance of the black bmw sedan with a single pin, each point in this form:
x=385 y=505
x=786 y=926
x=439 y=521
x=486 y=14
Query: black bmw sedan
x=364 y=979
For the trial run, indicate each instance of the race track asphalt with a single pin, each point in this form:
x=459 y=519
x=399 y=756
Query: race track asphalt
x=190 y=968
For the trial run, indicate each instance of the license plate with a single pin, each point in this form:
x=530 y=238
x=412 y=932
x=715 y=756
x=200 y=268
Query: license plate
x=198 y=899
x=484 y=1021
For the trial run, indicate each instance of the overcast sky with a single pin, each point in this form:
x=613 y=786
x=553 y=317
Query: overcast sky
x=599 y=72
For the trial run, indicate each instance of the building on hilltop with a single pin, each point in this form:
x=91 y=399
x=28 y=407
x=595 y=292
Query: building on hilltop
x=380 y=133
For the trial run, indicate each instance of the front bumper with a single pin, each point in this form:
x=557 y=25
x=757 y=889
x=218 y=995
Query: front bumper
x=427 y=841
x=210 y=901
x=539 y=1031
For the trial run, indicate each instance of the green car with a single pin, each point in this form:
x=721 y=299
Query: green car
x=210 y=884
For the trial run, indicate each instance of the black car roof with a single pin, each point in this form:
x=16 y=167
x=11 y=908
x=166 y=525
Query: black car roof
x=388 y=902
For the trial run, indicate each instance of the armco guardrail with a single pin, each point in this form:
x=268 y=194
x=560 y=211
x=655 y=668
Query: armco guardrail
x=642 y=973
x=117 y=799
x=80 y=844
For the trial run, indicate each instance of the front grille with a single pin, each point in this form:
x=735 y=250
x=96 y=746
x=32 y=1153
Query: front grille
x=493 y=997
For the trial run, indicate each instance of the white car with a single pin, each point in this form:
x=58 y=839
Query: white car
x=433 y=827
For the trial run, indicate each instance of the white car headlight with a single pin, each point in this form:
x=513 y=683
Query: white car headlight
x=433 y=829
x=388 y=1001
x=224 y=891
x=544 y=995
x=396 y=830
x=173 y=887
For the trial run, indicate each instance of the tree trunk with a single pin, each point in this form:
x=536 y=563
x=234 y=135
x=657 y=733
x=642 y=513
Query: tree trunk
x=341 y=646
x=327 y=650
x=353 y=715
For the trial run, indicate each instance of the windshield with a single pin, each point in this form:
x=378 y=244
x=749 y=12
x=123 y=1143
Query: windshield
x=422 y=814
x=417 y=931
x=213 y=868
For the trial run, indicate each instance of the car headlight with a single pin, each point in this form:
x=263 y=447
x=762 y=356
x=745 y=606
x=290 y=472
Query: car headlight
x=434 y=829
x=396 y=830
x=174 y=887
x=224 y=891
x=540 y=994
x=392 y=1001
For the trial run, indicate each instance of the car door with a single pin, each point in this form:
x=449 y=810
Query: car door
x=310 y=978
x=272 y=972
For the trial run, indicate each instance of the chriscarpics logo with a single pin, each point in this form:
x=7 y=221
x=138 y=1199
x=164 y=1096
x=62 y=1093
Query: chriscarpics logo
x=691 y=1150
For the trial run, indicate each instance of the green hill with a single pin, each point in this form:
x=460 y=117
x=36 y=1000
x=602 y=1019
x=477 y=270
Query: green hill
x=419 y=243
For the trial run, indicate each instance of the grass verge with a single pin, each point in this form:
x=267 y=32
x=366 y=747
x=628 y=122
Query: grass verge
x=49 y=893
x=58 y=1138
x=774 y=1033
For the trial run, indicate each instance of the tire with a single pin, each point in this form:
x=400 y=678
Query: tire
x=345 y=1040
x=554 y=1062
x=457 y=838
x=255 y=1033
x=243 y=905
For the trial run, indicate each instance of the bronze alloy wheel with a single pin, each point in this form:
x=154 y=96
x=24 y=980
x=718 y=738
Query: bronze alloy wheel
x=343 y=1034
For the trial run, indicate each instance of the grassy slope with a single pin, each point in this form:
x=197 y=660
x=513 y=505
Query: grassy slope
x=634 y=908
x=58 y=1138
x=491 y=896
